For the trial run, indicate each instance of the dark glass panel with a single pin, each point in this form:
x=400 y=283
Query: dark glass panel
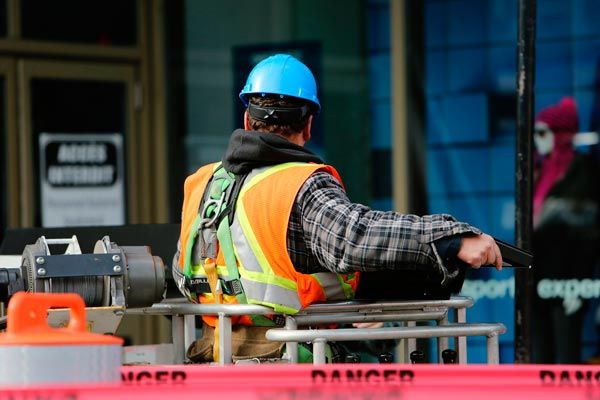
x=106 y=22
x=3 y=163
x=75 y=106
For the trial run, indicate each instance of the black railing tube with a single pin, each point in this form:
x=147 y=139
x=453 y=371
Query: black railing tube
x=524 y=175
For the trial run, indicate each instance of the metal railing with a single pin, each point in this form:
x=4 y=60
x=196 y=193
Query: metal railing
x=408 y=312
x=183 y=324
x=320 y=337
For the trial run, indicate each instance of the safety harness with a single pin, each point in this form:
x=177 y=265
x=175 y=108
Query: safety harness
x=215 y=213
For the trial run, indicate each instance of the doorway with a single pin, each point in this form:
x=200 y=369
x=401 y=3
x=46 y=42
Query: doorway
x=69 y=99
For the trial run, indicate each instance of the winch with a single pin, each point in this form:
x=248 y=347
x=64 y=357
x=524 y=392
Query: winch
x=111 y=276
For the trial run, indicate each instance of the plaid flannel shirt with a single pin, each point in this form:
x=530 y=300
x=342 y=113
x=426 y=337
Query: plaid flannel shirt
x=327 y=232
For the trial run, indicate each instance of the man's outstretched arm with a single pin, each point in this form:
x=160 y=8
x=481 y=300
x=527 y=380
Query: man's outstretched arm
x=346 y=236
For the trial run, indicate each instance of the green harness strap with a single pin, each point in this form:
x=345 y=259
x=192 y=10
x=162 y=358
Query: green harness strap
x=226 y=245
x=221 y=186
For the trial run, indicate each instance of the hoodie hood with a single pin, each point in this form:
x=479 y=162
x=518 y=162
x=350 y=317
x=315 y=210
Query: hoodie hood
x=248 y=150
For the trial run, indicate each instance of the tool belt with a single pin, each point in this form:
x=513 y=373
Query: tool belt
x=247 y=342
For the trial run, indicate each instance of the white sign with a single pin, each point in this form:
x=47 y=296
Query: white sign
x=82 y=179
x=489 y=288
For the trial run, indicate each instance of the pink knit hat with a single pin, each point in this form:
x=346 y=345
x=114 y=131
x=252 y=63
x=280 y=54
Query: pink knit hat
x=561 y=117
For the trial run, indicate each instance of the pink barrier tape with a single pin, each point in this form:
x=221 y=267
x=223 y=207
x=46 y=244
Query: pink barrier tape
x=362 y=392
x=387 y=374
x=341 y=381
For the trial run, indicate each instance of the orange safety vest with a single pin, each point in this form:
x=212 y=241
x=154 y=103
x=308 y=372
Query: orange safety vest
x=259 y=234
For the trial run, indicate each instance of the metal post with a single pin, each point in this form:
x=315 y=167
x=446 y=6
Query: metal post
x=177 y=331
x=189 y=330
x=319 y=351
x=442 y=342
x=493 y=352
x=225 y=353
x=291 y=348
x=410 y=343
x=461 y=341
x=524 y=174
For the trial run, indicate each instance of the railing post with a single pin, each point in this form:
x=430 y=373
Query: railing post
x=319 y=351
x=189 y=330
x=442 y=342
x=177 y=331
x=493 y=352
x=291 y=348
x=461 y=341
x=225 y=353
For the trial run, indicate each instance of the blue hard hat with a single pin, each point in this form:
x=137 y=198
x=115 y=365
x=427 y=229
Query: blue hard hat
x=283 y=75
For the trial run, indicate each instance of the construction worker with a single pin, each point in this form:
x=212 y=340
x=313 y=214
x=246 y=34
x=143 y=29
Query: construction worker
x=271 y=223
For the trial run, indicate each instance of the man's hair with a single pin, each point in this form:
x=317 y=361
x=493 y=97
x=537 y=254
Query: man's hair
x=275 y=101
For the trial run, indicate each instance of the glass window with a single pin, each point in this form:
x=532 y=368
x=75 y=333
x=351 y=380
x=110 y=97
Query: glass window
x=3 y=14
x=105 y=23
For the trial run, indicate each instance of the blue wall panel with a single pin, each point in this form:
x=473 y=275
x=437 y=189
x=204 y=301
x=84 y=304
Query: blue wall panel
x=585 y=99
x=467 y=118
x=378 y=58
x=553 y=66
x=384 y=204
x=544 y=99
x=378 y=29
x=467 y=69
x=586 y=59
x=553 y=19
x=502 y=66
x=379 y=74
x=503 y=217
x=436 y=73
x=502 y=167
x=463 y=170
x=381 y=125
x=436 y=126
x=586 y=15
x=466 y=22
x=502 y=17
x=473 y=209
x=457 y=119
x=436 y=25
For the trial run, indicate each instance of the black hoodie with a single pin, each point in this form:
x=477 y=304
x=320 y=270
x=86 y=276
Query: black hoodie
x=249 y=149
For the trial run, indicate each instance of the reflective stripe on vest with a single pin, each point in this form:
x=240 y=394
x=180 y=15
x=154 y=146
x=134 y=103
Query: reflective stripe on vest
x=259 y=233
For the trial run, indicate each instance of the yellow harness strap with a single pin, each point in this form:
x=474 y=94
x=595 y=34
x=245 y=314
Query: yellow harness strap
x=210 y=267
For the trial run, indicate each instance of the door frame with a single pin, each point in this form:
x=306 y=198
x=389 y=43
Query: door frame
x=28 y=69
x=8 y=71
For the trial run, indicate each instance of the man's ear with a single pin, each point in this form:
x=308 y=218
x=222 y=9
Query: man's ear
x=307 y=129
x=247 y=121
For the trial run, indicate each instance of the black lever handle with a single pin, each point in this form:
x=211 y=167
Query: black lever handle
x=514 y=256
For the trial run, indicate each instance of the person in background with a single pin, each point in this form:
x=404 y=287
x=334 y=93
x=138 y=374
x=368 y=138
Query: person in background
x=565 y=239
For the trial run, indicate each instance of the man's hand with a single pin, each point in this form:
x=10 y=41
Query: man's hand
x=480 y=250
